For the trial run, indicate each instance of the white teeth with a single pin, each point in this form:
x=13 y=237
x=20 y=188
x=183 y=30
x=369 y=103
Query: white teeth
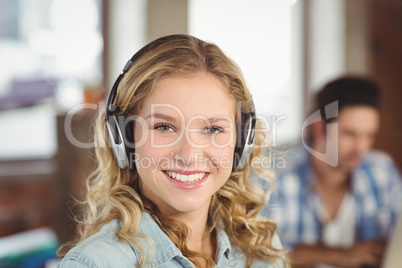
x=191 y=178
x=185 y=178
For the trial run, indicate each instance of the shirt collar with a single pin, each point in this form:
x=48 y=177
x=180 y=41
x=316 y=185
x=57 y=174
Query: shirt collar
x=223 y=242
x=165 y=249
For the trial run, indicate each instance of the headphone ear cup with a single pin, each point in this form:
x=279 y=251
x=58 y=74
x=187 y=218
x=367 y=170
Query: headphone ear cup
x=130 y=146
x=245 y=140
x=116 y=141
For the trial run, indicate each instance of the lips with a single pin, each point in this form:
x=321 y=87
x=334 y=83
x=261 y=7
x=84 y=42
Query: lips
x=190 y=177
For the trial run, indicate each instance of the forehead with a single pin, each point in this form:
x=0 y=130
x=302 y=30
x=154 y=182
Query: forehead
x=198 y=94
x=359 y=117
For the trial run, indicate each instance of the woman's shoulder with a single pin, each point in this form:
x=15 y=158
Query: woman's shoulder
x=103 y=249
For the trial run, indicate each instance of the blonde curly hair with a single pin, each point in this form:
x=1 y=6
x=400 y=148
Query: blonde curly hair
x=115 y=193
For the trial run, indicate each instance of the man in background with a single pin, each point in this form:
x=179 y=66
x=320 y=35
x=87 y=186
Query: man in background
x=339 y=201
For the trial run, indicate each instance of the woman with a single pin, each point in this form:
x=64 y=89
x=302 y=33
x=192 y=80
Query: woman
x=173 y=191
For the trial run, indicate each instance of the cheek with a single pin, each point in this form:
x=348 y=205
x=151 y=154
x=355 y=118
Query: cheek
x=222 y=151
x=147 y=153
x=222 y=141
x=221 y=158
x=346 y=145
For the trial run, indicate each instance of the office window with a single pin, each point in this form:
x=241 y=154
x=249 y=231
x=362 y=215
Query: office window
x=50 y=50
x=263 y=37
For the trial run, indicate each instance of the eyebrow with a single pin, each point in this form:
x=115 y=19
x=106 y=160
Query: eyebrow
x=170 y=118
x=218 y=118
x=161 y=116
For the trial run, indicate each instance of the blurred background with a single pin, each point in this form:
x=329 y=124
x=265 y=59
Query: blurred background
x=57 y=54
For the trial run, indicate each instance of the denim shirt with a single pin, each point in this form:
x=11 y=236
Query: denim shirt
x=104 y=249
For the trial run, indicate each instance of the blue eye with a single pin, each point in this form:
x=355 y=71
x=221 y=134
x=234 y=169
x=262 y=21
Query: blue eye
x=213 y=130
x=164 y=128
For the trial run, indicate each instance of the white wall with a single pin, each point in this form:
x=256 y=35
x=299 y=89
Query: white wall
x=127 y=33
x=327 y=41
x=263 y=38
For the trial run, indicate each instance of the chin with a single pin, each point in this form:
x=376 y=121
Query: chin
x=188 y=205
x=188 y=208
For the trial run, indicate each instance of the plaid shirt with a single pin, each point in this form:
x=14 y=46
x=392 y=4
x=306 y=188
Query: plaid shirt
x=376 y=189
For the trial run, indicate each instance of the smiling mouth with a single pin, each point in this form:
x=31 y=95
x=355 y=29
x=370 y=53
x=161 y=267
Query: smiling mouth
x=186 y=178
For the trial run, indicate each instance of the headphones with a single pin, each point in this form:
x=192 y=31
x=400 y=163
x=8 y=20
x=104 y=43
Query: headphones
x=120 y=135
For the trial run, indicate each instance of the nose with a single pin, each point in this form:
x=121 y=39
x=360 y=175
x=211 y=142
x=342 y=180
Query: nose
x=188 y=149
